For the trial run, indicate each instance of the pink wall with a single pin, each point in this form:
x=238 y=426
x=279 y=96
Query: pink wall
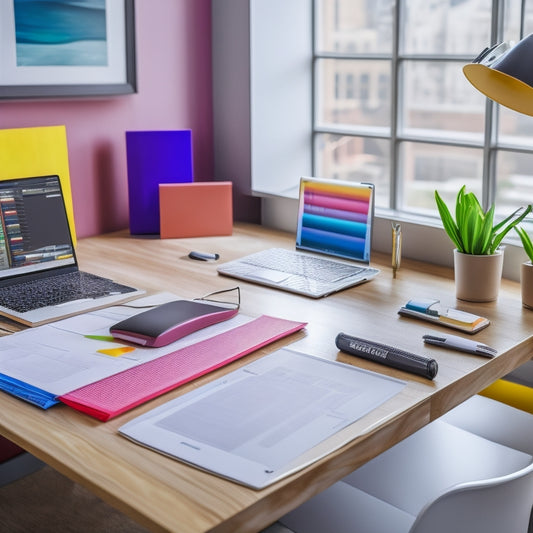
x=174 y=92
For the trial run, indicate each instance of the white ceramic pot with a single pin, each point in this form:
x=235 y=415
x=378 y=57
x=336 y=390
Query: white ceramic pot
x=477 y=277
x=526 y=284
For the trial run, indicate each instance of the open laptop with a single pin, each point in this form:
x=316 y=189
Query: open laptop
x=39 y=276
x=334 y=219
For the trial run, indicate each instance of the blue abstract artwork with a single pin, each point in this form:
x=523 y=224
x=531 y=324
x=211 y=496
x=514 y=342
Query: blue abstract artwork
x=60 y=32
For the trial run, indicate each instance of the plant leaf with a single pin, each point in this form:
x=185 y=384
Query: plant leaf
x=526 y=242
x=487 y=233
x=510 y=225
x=448 y=222
x=506 y=220
x=470 y=221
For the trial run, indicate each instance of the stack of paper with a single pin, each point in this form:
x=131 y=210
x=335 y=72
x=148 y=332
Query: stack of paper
x=74 y=359
x=118 y=393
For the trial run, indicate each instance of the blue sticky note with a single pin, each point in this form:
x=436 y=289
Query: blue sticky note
x=423 y=305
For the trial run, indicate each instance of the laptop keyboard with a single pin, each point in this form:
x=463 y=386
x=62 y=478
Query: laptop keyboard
x=30 y=295
x=308 y=266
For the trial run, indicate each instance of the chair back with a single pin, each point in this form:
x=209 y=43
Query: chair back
x=491 y=506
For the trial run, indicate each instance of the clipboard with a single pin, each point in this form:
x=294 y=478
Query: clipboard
x=261 y=422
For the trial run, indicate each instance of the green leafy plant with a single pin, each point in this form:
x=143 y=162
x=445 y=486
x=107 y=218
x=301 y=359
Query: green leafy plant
x=473 y=230
x=526 y=242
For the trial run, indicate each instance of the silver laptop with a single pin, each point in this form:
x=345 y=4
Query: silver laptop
x=39 y=276
x=335 y=219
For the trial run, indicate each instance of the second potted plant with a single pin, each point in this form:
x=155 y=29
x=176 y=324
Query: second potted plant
x=526 y=269
x=478 y=258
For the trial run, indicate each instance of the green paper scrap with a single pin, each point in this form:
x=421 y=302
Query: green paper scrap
x=107 y=338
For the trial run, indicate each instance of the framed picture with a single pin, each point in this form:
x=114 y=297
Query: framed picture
x=66 y=48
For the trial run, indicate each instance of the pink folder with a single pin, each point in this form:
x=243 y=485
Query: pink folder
x=116 y=394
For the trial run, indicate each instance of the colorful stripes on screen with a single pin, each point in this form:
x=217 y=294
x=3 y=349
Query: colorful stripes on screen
x=334 y=218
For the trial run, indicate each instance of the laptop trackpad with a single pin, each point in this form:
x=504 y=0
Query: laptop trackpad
x=270 y=275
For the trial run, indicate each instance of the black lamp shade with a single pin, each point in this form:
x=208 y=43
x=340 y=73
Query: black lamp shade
x=507 y=79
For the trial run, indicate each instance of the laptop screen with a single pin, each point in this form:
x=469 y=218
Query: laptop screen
x=34 y=230
x=335 y=218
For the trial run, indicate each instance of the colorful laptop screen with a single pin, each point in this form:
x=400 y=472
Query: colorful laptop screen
x=335 y=218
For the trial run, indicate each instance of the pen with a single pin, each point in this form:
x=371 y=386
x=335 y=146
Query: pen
x=396 y=247
x=387 y=355
x=455 y=342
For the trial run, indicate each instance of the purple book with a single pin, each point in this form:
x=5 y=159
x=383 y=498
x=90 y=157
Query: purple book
x=154 y=157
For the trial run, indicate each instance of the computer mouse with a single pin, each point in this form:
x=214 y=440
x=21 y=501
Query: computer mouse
x=169 y=322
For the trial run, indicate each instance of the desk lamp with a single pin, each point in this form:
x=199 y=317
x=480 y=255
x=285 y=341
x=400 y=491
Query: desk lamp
x=504 y=73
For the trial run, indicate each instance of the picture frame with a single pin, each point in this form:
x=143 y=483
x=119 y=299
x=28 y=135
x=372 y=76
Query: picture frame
x=31 y=67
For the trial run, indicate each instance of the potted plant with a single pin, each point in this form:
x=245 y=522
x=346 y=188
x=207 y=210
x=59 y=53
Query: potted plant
x=478 y=258
x=526 y=269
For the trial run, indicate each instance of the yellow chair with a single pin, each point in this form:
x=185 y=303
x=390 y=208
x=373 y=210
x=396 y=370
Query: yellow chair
x=515 y=389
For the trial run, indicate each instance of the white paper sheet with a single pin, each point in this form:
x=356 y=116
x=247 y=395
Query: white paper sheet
x=58 y=358
x=251 y=424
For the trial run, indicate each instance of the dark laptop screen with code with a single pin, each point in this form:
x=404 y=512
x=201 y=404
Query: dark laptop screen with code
x=34 y=229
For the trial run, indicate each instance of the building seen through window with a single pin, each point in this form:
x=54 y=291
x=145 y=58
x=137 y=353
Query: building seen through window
x=392 y=106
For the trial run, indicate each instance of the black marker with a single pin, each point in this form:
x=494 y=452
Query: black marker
x=387 y=355
x=203 y=256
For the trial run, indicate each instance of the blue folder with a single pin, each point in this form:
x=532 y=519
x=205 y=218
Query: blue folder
x=31 y=394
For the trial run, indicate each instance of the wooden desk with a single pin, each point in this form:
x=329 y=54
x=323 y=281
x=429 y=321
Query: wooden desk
x=166 y=495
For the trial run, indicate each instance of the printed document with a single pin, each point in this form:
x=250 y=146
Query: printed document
x=63 y=356
x=253 y=424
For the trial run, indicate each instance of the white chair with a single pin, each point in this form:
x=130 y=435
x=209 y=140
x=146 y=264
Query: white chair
x=470 y=471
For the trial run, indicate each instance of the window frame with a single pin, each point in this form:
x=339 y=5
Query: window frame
x=266 y=45
x=490 y=143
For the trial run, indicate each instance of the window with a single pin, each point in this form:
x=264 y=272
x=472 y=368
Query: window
x=350 y=86
x=404 y=116
x=380 y=96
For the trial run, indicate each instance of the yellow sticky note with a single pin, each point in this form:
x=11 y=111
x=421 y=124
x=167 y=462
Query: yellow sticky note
x=116 y=352
x=39 y=151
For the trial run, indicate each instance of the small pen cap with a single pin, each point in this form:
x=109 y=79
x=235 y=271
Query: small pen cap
x=433 y=368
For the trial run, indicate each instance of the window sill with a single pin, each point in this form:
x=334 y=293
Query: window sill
x=423 y=238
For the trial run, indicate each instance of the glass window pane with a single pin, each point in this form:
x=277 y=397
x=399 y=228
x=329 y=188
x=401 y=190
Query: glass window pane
x=438 y=97
x=355 y=92
x=528 y=18
x=434 y=103
x=515 y=128
x=511 y=19
x=429 y=167
x=446 y=26
x=354 y=26
x=514 y=182
x=355 y=159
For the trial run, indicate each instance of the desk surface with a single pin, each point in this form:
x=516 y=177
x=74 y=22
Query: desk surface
x=164 y=494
